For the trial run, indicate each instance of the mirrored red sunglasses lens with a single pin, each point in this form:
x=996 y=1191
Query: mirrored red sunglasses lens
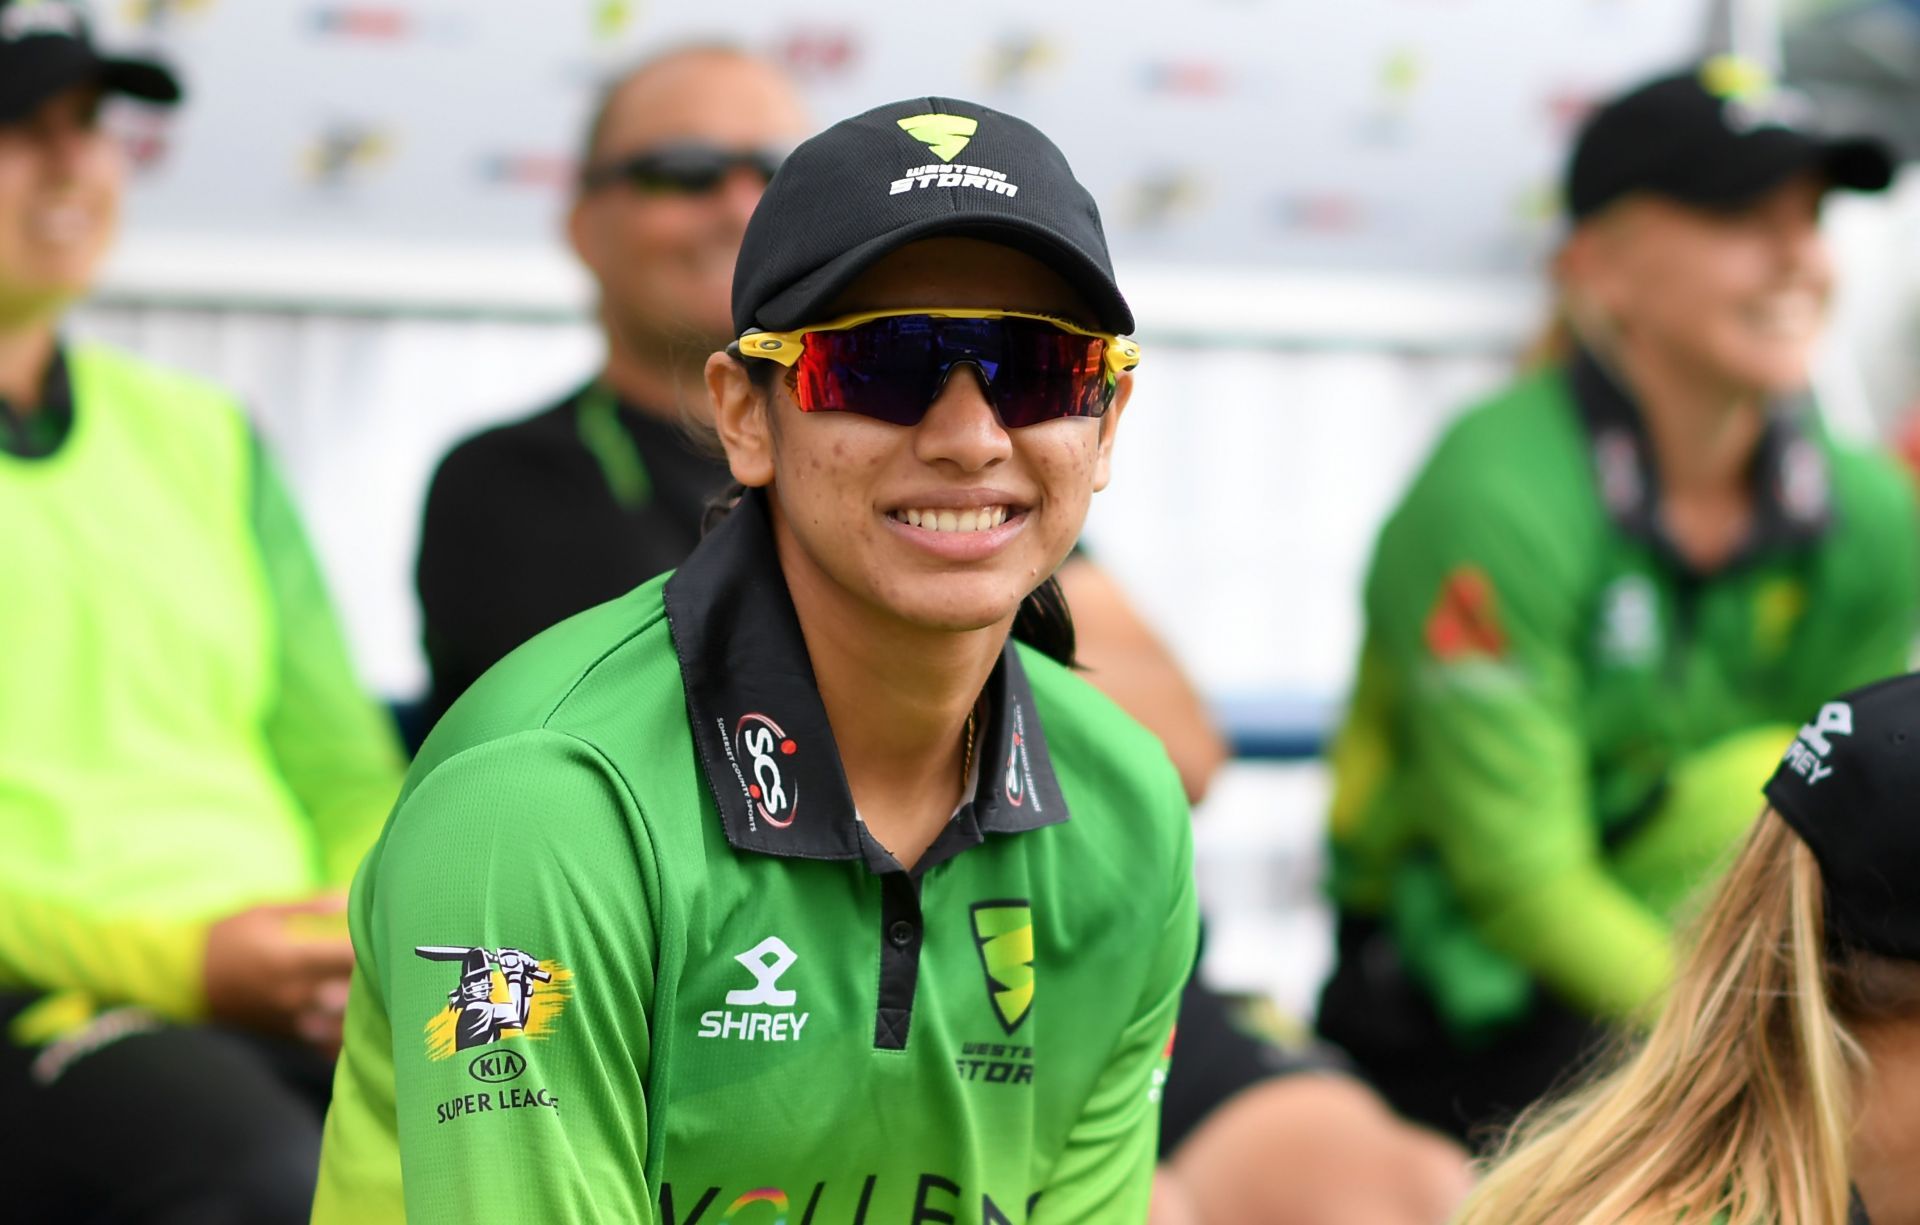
x=892 y=369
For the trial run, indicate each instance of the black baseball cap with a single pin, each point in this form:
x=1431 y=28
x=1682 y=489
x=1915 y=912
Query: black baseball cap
x=921 y=168
x=1717 y=135
x=1849 y=785
x=45 y=47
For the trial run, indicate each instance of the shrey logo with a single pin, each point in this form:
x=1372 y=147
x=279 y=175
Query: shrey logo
x=1003 y=932
x=502 y=993
x=759 y=741
x=766 y=961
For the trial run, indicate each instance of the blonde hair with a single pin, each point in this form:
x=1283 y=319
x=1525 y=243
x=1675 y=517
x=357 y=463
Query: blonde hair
x=1741 y=1099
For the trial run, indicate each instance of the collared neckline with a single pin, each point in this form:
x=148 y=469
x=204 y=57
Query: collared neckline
x=762 y=734
x=1792 y=490
x=39 y=434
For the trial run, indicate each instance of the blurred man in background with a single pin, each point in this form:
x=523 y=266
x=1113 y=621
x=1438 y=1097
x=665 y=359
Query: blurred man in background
x=1596 y=615
x=188 y=770
x=531 y=522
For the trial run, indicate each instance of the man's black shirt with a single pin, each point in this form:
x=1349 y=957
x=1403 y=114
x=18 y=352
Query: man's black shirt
x=531 y=522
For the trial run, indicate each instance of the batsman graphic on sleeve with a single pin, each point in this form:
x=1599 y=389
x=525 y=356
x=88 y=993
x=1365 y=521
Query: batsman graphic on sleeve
x=505 y=993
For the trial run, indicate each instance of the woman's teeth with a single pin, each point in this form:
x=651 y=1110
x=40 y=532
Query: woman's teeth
x=975 y=519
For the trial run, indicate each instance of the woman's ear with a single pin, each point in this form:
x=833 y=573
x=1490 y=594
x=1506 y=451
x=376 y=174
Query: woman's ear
x=1109 y=426
x=740 y=414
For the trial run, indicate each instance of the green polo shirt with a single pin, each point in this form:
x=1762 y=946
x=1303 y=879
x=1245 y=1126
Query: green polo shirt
x=1559 y=726
x=627 y=952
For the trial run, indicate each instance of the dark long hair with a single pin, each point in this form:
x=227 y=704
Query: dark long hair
x=1043 y=622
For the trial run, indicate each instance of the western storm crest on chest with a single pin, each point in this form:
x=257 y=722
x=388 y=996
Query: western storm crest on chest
x=761 y=752
x=1003 y=932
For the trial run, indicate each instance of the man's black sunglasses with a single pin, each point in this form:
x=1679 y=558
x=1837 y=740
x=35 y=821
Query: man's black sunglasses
x=682 y=169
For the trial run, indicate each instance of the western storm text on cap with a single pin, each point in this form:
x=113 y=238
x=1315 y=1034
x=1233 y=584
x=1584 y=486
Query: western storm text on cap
x=953 y=176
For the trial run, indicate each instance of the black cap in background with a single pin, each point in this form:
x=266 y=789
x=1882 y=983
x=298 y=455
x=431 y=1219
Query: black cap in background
x=1717 y=136
x=45 y=47
x=1850 y=787
x=922 y=168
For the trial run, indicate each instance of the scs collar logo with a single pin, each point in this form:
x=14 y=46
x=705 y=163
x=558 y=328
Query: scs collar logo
x=759 y=742
x=1019 y=772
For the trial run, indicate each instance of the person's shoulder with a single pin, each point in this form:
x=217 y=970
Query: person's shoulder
x=1510 y=484
x=613 y=659
x=1872 y=493
x=136 y=384
x=512 y=447
x=1098 y=749
x=1522 y=442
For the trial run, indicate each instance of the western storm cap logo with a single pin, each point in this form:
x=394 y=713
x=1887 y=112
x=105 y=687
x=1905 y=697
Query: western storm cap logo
x=760 y=742
x=766 y=961
x=1003 y=932
x=946 y=135
x=502 y=993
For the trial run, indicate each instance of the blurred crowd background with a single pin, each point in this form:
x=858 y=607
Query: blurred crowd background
x=1332 y=220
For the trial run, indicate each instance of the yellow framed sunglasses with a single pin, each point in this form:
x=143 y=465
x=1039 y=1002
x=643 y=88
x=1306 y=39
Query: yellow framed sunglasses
x=891 y=365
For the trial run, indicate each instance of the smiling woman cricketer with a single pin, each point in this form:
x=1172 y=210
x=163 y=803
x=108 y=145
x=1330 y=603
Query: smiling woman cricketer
x=808 y=881
x=1597 y=614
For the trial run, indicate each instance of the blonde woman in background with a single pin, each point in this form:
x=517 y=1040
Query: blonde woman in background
x=1781 y=1084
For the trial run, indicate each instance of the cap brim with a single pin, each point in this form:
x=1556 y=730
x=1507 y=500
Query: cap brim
x=67 y=63
x=147 y=80
x=1769 y=158
x=807 y=300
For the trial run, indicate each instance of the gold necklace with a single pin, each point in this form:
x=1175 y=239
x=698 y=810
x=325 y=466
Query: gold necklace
x=966 y=761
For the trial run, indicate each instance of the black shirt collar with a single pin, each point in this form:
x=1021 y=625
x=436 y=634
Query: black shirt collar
x=38 y=433
x=762 y=734
x=1792 y=495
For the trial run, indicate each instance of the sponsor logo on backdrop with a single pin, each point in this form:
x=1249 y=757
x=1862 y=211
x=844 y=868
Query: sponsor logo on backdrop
x=817 y=55
x=1018 y=58
x=1187 y=78
x=158 y=14
x=546 y=171
x=345 y=152
x=1162 y=198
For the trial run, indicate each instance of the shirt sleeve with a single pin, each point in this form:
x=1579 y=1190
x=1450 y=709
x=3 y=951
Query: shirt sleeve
x=1476 y=606
x=51 y=946
x=335 y=747
x=499 y=1034
x=1105 y=1172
